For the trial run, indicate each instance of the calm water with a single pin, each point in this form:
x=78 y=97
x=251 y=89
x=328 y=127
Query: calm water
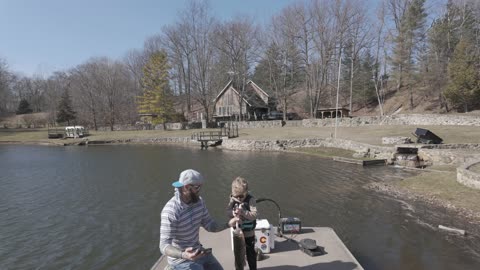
x=98 y=207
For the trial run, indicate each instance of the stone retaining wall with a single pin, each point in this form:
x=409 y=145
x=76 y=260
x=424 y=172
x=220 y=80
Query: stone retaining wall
x=448 y=154
x=279 y=145
x=467 y=177
x=259 y=124
x=187 y=140
x=399 y=119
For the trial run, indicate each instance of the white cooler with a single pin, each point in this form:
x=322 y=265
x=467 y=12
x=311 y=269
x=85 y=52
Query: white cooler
x=264 y=236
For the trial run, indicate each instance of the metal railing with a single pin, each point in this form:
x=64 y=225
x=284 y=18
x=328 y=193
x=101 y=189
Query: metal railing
x=207 y=136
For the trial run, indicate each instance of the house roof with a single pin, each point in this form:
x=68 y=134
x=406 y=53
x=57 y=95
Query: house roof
x=251 y=97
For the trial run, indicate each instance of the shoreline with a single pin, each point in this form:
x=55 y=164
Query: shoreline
x=469 y=218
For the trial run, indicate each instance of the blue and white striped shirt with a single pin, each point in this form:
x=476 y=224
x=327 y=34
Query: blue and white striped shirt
x=180 y=224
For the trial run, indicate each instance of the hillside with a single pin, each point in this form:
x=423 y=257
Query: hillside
x=399 y=102
x=396 y=102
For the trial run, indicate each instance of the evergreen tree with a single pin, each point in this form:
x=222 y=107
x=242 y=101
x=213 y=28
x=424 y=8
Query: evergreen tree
x=364 y=85
x=157 y=97
x=280 y=72
x=463 y=90
x=443 y=37
x=408 y=42
x=65 y=110
x=24 y=107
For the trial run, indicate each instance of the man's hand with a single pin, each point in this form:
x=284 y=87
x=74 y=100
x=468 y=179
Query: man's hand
x=192 y=254
x=233 y=222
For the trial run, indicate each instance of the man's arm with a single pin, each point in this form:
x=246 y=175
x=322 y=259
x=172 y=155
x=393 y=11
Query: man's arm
x=211 y=225
x=167 y=231
x=188 y=254
x=173 y=252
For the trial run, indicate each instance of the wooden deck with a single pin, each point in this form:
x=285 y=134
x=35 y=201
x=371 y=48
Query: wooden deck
x=286 y=254
x=361 y=162
x=230 y=130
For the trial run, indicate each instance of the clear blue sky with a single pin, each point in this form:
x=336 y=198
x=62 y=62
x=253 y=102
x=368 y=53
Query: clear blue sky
x=42 y=36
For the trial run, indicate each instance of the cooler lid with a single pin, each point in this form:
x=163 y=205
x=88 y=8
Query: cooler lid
x=263 y=224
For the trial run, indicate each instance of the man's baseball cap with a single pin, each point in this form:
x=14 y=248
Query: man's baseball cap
x=189 y=177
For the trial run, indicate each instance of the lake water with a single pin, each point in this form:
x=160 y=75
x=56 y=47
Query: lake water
x=98 y=207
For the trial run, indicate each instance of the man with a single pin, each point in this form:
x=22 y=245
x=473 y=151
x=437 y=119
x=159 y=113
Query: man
x=181 y=219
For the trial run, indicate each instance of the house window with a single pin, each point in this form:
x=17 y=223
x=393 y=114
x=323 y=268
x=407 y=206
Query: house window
x=224 y=110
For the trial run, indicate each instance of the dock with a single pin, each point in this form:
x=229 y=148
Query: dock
x=229 y=130
x=361 y=162
x=286 y=254
x=206 y=137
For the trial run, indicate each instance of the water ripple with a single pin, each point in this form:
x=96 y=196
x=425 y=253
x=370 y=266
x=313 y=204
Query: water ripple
x=98 y=207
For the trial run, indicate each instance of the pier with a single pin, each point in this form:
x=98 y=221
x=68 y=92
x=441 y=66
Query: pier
x=214 y=138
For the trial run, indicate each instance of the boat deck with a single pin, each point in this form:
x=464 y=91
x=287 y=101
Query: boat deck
x=286 y=254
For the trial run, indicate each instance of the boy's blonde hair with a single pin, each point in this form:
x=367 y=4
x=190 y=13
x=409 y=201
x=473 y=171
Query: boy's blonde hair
x=239 y=186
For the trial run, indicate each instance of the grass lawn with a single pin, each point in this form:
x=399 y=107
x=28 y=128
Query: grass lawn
x=366 y=134
x=443 y=185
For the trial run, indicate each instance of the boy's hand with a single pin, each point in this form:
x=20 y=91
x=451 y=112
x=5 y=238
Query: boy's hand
x=238 y=211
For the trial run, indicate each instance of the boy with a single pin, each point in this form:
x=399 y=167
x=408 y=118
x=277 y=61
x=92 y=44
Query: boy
x=243 y=205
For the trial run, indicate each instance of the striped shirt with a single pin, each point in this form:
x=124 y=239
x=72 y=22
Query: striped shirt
x=180 y=224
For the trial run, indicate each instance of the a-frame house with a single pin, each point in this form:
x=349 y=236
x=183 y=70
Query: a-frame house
x=227 y=103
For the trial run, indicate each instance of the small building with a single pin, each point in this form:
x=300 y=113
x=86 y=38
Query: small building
x=197 y=113
x=227 y=103
x=332 y=113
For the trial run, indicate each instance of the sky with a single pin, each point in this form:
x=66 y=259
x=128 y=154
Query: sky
x=38 y=37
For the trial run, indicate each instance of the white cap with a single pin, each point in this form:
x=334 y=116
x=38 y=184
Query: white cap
x=188 y=177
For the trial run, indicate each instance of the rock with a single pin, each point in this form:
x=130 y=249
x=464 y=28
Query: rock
x=396 y=140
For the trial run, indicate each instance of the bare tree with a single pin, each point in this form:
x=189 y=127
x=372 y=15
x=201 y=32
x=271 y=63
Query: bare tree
x=284 y=57
x=238 y=42
x=135 y=60
x=55 y=85
x=6 y=98
x=86 y=92
x=103 y=93
x=304 y=36
x=379 y=45
x=359 y=37
x=177 y=40
x=325 y=43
